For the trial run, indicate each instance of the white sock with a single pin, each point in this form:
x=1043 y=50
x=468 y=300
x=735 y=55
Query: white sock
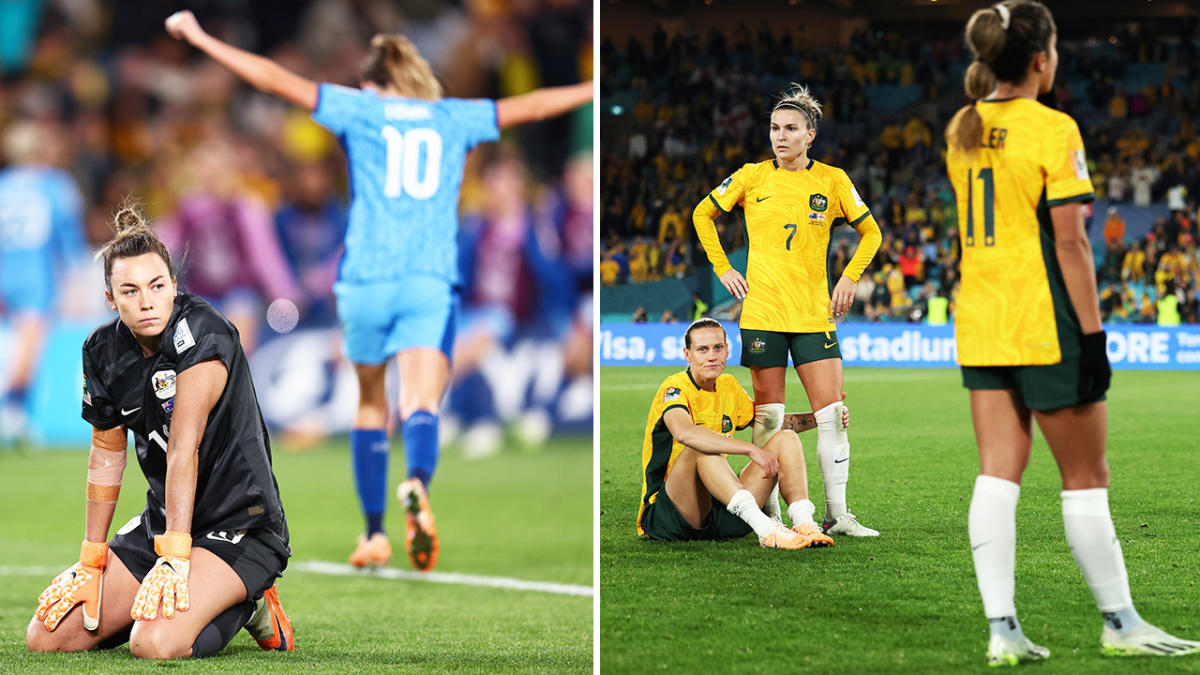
x=833 y=454
x=801 y=512
x=743 y=506
x=992 y=525
x=768 y=420
x=1097 y=551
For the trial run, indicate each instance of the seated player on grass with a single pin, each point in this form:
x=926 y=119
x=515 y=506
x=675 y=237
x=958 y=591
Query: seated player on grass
x=213 y=537
x=689 y=490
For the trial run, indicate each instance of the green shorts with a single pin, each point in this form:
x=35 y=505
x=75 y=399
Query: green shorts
x=661 y=520
x=768 y=349
x=1040 y=387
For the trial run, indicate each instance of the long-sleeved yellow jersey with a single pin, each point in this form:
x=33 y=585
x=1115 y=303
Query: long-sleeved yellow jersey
x=789 y=216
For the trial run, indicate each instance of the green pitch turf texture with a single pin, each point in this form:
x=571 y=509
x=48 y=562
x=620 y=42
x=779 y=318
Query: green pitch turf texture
x=906 y=601
x=521 y=515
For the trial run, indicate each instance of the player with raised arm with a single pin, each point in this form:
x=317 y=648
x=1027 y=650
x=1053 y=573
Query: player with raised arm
x=213 y=538
x=689 y=491
x=792 y=203
x=1030 y=341
x=397 y=289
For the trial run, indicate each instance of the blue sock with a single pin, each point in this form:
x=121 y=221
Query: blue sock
x=369 y=448
x=421 y=445
x=15 y=397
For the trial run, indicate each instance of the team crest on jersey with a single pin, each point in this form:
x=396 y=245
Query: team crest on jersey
x=813 y=215
x=758 y=346
x=726 y=424
x=671 y=395
x=818 y=202
x=164 y=384
x=724 y=185
x=183 y=337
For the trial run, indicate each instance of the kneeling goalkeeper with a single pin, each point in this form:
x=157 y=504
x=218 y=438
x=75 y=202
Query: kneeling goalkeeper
x=200 y=563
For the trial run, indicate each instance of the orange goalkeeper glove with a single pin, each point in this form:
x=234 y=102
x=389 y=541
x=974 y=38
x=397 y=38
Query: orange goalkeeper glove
x=81 y=583
x=167 y=581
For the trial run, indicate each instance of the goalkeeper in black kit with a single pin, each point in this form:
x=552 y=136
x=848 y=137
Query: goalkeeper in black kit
x=184 y=576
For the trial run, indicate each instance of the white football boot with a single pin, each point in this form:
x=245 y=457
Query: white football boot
x=1005 y=652
x=847 y=524
x=1145 y=639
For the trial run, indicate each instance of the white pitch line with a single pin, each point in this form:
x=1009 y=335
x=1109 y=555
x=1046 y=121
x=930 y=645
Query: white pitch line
x=339 y=569
x=29 y=570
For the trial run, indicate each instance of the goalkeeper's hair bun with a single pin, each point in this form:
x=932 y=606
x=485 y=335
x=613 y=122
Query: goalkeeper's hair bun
x=1004 y=39
x=797 y=97
x=132 y=236
x=394 y=61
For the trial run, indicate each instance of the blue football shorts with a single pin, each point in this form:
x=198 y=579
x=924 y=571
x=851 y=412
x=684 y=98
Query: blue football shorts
x=33 y=293
x=382 y=318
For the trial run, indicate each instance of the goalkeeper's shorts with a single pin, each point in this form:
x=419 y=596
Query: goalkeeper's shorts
x=257 y=556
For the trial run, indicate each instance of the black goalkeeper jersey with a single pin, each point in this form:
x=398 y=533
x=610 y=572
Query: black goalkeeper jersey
x=235 y=487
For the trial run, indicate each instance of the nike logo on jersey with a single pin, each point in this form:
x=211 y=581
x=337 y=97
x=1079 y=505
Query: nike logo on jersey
x=130 y=412
x=839 y=461
x=763 y=199
x=830 y=344
x=979 y=546
x=231 y=537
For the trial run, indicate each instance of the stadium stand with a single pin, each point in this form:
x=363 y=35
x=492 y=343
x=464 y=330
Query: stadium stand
x=252 y=191
x=683 y=108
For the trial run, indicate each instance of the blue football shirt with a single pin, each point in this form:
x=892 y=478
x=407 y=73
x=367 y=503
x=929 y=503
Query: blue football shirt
x=41 y=234
x=406 y=166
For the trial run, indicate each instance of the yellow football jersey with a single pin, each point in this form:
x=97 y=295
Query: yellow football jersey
x=723 y=410
x=1013 y=307
x=789 y=215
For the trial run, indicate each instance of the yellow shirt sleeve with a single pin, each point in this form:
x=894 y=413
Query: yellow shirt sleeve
x=704 y=220
x=671 y=395
x=869 y=239
x=1065 y=164
x=744 y=412
x=721 y=200
x=855 y=211
x=852 y=207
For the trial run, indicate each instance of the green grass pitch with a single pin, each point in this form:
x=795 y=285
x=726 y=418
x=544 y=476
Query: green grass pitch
x=907 y=601
x=521 y=515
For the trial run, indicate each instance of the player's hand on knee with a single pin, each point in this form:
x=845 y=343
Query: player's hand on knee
x=1095 y=373
x=167 y=581
x=767 y=460
x=80 y=583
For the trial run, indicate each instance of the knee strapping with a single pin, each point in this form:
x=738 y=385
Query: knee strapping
x=768 y=420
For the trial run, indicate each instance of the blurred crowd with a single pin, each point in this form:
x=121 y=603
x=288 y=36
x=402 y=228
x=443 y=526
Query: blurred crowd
x=683 y=112
x=247 y=191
